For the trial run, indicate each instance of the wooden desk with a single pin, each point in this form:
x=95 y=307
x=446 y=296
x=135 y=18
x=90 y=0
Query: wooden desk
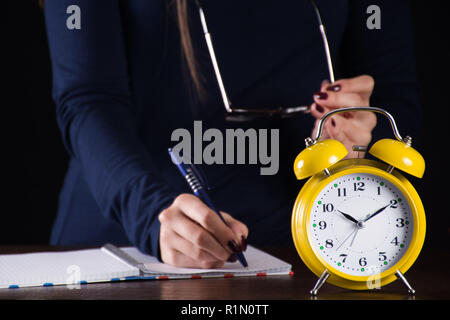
x=430 y=277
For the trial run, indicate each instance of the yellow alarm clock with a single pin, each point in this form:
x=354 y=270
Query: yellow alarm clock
x=357 y=223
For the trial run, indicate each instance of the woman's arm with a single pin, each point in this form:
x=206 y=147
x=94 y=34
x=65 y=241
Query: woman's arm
x=97 y=118
x=98 y=121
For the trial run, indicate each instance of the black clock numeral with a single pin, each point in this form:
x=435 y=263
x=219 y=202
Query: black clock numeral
x=342 y=192
x=401 y=223
x=395 y=241
x=363 y=262
x=328 y=207
x=322 y=225
x=344 y=257
x=379 y=190
x=329 y=243
x=359 y=186
x=382 y=256
x=394 y=204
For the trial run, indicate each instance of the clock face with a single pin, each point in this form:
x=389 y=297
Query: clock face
x=361 y=224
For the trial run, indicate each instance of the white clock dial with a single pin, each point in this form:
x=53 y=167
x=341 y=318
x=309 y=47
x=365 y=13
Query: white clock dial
x=361 y=224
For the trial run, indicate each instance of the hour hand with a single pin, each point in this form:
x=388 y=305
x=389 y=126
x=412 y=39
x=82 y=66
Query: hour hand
x=347 y=216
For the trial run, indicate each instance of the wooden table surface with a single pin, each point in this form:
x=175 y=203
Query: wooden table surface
x=429 y=276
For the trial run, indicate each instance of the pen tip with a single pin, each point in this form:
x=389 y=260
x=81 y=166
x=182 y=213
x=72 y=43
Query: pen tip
x=242 y=260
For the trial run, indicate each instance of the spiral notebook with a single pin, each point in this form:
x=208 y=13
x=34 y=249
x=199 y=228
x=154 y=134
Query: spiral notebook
x=110 y=263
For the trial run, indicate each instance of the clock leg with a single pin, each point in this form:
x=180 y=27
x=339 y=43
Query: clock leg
x=320 y=283
x=402 y=277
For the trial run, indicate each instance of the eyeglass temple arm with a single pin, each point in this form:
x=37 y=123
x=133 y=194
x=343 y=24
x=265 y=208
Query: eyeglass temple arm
x=212 y=54
x=325 y=41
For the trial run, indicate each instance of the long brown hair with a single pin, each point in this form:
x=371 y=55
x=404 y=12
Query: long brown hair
x=187 y=47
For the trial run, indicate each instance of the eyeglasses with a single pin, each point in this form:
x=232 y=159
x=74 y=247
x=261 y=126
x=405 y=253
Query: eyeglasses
x=242 y=114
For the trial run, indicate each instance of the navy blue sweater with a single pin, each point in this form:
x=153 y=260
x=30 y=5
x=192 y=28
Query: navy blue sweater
x=121 y=88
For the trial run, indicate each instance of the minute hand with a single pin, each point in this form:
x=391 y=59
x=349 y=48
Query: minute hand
x=376 y=212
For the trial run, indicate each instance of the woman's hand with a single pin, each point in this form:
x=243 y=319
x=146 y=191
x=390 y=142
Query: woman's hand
x=350 y=128
x=193 y=236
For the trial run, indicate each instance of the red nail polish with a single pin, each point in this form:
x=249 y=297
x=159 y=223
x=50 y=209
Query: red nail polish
x=320 y=108
x=335 y=88
x=232 y=258
x=243 y=243
x=234 y=247
x=321 y=95
x=333 y=123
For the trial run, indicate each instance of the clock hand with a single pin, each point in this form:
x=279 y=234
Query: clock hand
x=347 y=216
x=376 y=212
x=356 y=229
x=351 y=243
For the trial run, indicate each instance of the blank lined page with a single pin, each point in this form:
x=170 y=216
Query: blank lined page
x=258 y=262
x=53 y=268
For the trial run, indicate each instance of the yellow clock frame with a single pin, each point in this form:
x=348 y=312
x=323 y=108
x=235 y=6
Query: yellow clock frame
x=301 y=226
x=323 y=161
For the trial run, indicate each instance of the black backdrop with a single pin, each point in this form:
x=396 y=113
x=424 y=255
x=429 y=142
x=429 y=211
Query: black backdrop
x=35 y=160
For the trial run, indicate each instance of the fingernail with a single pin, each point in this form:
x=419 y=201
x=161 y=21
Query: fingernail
x=243 y=243
x=333 y=123
x=234 y=247
x=321 y=95
x=232 y=258
x=335 y=88
x=319 y=108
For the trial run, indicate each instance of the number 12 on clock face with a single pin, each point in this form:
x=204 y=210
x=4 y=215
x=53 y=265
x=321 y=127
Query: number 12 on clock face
x=361 y=224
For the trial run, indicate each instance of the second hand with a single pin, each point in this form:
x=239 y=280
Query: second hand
x=356 y=229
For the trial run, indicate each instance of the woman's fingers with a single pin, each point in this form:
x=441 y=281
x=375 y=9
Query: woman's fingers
x=196 y=210
x=334 y=100
x=179 y=259
x=351 y=92
x=317 y=111
x=193 y=235
x=366 y=119
x=363 y=85
x=196 y=235
x=351 y=128
x=180 y=252
x=238 y=228
x=349 y=132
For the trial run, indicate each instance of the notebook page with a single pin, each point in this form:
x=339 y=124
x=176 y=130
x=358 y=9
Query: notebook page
x=36 y=269
x=258 y=261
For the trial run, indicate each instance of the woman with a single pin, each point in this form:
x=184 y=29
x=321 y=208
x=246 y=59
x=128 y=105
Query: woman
x=126 y=78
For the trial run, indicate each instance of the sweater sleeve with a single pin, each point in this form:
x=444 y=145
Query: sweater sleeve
x=97 y=118
x=387 y=54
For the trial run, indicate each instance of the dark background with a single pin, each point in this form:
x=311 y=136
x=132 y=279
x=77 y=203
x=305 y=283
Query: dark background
x=35 y=160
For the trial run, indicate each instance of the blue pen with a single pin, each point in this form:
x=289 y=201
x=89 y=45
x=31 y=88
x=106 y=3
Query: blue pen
x=197 y=184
